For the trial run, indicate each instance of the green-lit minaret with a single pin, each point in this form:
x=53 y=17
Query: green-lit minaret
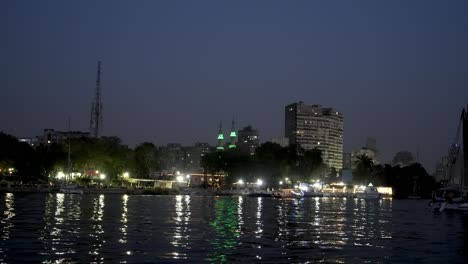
x=220 y=146
x=233 y=137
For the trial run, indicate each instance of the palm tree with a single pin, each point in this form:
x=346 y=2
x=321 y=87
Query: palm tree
x=363 y=171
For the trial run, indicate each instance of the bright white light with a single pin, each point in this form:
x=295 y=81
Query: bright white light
x=60 y=175
x=370 y=184
x=48 y=141
x=317 y=185
x=281 y=182
x=287 y=179
x=102 y=176
x=303 y=187
x=180 y=178
x=259 y=182
x=97 y=172
x=126 y=174
x=240 y=181
x=188 y=176
x=178 y=172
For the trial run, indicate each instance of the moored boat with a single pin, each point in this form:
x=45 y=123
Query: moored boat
x=288 y=193
x=71 y=189
x=369 y=193
x=454 y=196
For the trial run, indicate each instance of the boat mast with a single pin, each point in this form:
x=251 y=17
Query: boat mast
x=464 y=119
x=69 y=155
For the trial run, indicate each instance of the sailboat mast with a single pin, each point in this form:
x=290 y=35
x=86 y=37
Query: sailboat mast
x=464 y=119
x=69 y=169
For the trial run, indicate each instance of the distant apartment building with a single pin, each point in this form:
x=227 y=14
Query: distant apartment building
x=175 y=157
x=403 y=159
x=52 y=136
x=441 y=170
x=30 y=141
x=193 y=155
x=313 y=126
x=282 y=141
x=347 y=164
x=247 y=140
x=370 y=150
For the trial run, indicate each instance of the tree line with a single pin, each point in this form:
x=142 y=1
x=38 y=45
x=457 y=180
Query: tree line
x=271 y=163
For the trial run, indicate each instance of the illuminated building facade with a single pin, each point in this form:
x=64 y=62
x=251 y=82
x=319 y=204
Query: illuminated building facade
x=312 y=126
x=220 y=146
x=232 y=137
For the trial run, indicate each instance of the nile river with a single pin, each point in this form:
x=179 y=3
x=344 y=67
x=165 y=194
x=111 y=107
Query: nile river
x=63 y=228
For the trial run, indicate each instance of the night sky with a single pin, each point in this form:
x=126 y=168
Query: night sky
x=398 y=70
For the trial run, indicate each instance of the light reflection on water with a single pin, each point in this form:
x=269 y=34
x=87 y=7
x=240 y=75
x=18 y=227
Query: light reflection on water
x=55 y=228
x=181 y=237
x=8 y=214
x=124 y=220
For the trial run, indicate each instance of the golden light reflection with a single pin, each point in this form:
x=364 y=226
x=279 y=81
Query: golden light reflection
x=8 y=214
x=56 y=231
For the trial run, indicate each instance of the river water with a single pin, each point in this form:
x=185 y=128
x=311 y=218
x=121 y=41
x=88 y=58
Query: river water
x=63 y=228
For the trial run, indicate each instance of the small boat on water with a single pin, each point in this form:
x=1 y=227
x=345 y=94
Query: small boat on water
x=288 y=193
x=369 y=193
x=71 y=189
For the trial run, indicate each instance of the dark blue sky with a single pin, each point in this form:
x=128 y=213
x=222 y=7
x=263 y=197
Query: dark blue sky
x=398 y=70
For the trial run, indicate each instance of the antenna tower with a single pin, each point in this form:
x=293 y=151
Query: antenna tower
x=95 y=125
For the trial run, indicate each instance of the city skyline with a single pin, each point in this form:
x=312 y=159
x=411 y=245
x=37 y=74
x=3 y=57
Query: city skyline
x=397 y=71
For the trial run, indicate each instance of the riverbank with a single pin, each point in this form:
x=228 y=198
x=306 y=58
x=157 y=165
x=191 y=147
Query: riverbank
x=44 y=188
x=27 y=188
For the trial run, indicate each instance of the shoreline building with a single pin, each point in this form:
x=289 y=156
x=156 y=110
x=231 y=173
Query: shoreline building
x=370 y=150
x=313 y=126
x=52 y=136
x=248 y=140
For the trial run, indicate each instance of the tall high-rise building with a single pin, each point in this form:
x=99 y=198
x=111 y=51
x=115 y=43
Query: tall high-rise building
x=312 y=126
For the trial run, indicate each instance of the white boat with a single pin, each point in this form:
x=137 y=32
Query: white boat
x=369 y=193
x=71 y=189
x=454 y=196
x=288 y=193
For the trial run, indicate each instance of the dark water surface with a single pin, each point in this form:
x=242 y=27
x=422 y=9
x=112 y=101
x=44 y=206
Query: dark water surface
x=63 y=228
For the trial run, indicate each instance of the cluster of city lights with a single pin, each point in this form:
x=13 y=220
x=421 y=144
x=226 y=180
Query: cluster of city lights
x=258 y=183
x=61 y=175
x=181 y=178
x=9 y=170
